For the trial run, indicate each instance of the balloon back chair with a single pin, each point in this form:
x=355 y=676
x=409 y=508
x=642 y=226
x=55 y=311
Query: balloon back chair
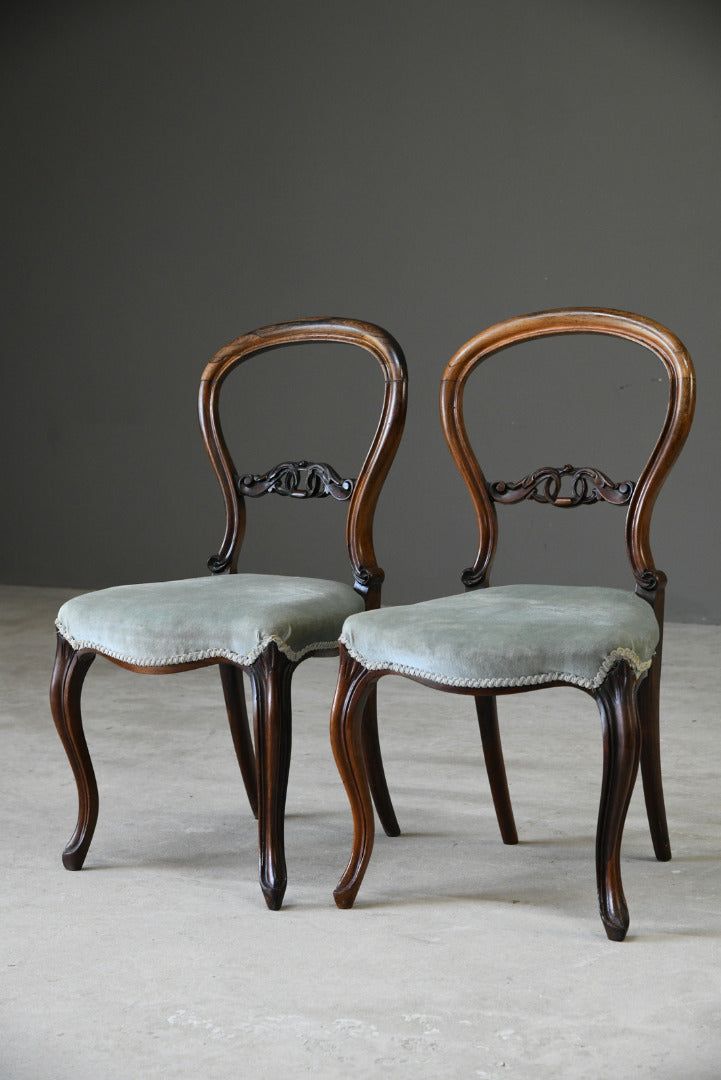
x=509 y=639
x=260 y=624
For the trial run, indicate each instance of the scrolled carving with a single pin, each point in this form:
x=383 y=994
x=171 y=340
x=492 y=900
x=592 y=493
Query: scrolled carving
x=649 y=580
x=218 y=564
x=299 y=480
x=368 y=579
x=588 y=485
x=472 y=577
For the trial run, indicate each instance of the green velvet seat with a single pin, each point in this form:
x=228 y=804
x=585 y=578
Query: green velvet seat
x=231 y=617
x=512 y=635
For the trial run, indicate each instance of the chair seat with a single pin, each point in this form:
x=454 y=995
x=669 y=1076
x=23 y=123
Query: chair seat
x=515 y=635
x=232 y=617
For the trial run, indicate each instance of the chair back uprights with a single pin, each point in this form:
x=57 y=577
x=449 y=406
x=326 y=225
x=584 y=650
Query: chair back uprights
x=304 y=479
x=588 y=484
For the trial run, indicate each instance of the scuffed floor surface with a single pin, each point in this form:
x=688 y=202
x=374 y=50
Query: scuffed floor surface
x=462 y=958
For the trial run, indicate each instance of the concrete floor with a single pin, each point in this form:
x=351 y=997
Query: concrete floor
x=462 y=957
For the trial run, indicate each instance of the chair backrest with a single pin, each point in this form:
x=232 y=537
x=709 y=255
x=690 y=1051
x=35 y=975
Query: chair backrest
x=587 y=484
x=304 y=479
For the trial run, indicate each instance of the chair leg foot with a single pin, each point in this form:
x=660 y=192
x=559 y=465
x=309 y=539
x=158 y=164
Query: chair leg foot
x=271 y=679
x=65 y=689
x=274 y=893
x=616 y=699
x=354 y=687
x=73 y=857
x=343 y=898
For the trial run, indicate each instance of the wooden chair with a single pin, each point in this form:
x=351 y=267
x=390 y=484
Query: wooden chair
x=509 y=639
x=263 y=625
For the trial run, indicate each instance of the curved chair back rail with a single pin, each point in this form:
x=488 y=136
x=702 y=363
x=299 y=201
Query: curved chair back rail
x=364 y=491
x=679 y=414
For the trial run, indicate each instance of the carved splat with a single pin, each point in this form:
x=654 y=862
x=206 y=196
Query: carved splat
x=299 y=480
x=587 y=486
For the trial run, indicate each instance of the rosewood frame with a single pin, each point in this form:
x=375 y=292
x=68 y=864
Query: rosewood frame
x=629 y=710
x=265 y=770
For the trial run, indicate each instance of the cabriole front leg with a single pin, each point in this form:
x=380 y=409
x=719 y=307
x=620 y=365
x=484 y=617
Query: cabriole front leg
x=616 y=699
x=65 y=689
x=354 y=687
x=271 y=678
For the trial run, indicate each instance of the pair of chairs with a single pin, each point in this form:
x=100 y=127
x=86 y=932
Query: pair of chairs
x=484 y=642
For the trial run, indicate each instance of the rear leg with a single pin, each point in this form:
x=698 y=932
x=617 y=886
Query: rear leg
x=495 y=767
x=375 y=770
x=231 y=678
x=648 y=710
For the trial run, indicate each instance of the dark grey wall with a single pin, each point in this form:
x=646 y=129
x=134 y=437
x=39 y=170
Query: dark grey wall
x=176 y=173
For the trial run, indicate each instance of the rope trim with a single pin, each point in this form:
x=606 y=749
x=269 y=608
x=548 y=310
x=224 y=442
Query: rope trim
x=638 y=665
x=244 y=660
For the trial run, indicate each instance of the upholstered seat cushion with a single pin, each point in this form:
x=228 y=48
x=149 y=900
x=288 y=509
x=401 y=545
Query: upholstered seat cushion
x=515 y=635
x=232 y=617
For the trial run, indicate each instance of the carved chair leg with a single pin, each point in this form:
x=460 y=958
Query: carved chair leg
x=355 y=684
x=232 y=681
x=495 y=767
x=375 y=770
x=271 y=679
x=65 y=689
x=648 y=709
x=617 y=704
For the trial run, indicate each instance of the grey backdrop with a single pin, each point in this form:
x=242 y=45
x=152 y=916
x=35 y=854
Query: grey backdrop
x=176 y=173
